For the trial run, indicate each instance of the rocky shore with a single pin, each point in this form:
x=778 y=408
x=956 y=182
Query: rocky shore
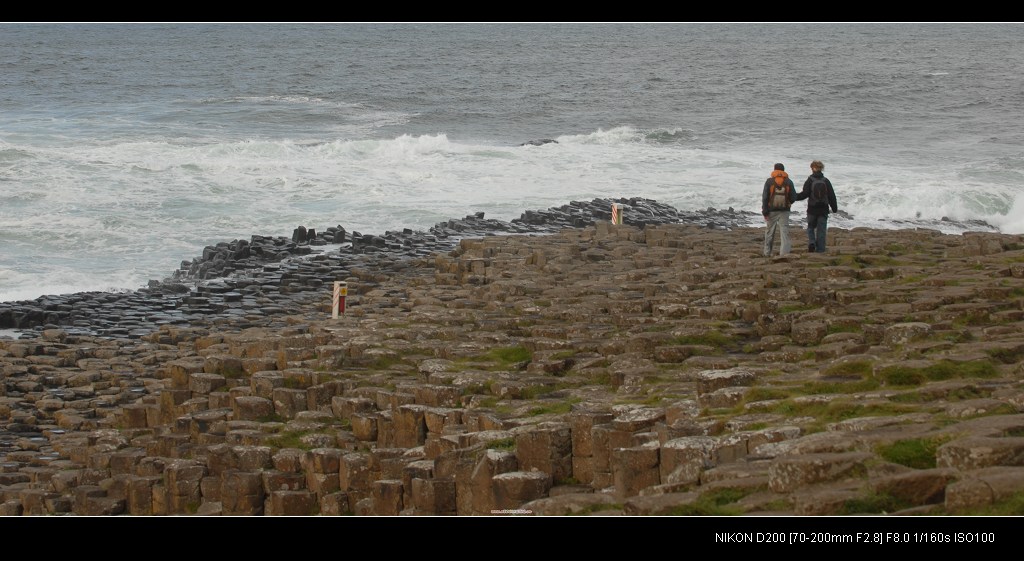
x=658 y=367
x=250 y=282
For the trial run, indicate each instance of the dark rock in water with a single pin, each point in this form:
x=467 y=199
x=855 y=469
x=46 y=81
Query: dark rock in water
x=539 y=142
x=299 y=234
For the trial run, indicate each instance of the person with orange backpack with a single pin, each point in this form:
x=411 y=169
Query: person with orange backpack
x=776 y=200
x=820 y=198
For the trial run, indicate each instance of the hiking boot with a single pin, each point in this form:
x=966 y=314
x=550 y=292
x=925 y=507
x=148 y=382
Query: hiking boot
x=811 y=248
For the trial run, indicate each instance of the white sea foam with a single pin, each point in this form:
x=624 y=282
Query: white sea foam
x=114 y=173
x=91 y=211
x=1013 y=220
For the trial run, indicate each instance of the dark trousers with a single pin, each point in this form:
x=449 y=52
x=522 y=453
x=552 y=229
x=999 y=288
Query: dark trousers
x=817 y=225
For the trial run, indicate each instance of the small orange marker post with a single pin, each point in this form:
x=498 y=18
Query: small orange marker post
x=340 y=293
x=616 y=213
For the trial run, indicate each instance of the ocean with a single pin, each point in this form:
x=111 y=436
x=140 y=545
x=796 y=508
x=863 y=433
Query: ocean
x=126 y=148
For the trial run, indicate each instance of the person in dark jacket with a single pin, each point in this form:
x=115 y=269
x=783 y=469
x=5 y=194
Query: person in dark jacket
x=776 y=199
x=820 y=198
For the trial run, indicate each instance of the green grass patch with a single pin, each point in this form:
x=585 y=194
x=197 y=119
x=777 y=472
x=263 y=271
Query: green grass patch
x=502 y=444
x=488 y=402
x=776 y=505
x=980 y=319
x=715 y=339
x=943 y=370
x=852 y=369
x=917 y=453
x=658 y=328
x=835 y=411
x=510 y=355
x=902 y=376
x=909 y=279
x=853 y=386
x=976 y=369
x=844 y=328
x=289 y=439
x=715 y=503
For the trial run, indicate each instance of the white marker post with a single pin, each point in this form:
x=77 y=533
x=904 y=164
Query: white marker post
x=616 y=213
x=340 y=293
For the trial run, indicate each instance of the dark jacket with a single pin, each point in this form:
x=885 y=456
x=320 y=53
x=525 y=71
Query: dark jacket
x=767 y=190
x=821 y=208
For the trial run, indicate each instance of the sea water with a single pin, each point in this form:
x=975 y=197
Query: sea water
x=125 y=148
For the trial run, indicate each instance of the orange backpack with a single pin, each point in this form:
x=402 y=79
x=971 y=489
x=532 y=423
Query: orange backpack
x=778 y=195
